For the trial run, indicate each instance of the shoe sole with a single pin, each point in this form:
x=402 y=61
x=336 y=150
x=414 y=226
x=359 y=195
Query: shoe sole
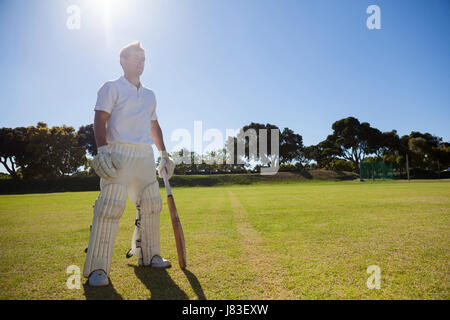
x=99 y=285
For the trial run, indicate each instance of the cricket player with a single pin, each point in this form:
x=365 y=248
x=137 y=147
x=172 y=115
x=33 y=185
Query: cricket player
x=125 y=128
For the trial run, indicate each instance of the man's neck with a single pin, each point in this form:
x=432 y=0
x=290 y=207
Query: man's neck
x=133 y=79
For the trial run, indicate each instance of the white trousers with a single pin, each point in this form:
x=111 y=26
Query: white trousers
x=137 y=177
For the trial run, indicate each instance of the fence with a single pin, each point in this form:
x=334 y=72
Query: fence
x=376 y=170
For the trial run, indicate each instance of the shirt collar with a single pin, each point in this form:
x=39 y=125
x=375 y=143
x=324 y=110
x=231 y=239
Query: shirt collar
x=124 y=80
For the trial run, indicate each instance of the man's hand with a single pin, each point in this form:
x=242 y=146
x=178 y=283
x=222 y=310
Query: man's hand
x=105 y=164
x=167 y=163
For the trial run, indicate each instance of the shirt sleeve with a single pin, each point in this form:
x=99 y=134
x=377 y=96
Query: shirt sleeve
x=153 y=115
x=106 y=98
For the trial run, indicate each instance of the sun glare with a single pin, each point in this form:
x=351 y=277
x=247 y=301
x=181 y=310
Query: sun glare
x=105 y=11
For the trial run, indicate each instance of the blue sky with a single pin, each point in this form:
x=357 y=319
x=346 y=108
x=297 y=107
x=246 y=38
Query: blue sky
x=297 y=64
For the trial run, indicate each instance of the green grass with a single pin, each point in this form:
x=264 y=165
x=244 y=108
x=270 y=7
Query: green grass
x=310 y=240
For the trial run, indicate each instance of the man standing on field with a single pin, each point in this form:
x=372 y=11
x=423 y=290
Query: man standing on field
x=125 y=128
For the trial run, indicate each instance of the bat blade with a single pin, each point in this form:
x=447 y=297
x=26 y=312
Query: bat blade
x=178 y=232
x=176 y=224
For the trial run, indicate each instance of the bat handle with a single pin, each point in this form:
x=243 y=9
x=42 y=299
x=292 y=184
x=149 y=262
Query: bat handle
x=166 y=182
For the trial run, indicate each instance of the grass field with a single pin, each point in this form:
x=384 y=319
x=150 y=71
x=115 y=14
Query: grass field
x=310 y=240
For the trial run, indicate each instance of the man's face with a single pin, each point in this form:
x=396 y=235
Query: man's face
x=134 y=64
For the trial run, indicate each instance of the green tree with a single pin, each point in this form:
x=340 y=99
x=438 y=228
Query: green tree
x=248 y=142
x=322 y=153
x=353 y=140
x=52 y=152
x=290 y=144
x=291 y=147
x=423 y=147
x=13 y=149
x=86 y=139
x=442 y=155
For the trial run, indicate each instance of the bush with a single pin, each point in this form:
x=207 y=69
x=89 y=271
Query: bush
x=4 y=176
x=92 y=183
x=340 y=165
x=63 y=184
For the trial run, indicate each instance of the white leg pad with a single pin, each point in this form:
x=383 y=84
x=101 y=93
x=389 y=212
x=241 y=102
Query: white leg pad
x=108 y=209
x=146 y=235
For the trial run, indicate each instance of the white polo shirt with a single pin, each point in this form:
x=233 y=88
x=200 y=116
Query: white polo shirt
x=131 y=111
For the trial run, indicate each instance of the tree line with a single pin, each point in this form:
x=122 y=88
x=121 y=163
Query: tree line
x=40 y=152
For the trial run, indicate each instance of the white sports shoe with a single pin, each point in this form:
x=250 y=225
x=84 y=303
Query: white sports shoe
x=98 y=278
x=157 y=262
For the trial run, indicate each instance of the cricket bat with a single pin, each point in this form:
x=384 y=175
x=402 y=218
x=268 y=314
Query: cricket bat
x=176 y=224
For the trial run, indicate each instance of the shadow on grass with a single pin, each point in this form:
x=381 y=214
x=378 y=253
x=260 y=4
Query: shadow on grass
x=159 y=283
x=101 y=293
x=195 y=284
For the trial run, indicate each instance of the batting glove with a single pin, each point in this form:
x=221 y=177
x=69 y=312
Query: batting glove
x=167 y=163
x=103 y=164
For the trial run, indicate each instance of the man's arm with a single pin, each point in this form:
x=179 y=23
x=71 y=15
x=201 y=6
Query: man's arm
x=100 y=127
x=156 y=133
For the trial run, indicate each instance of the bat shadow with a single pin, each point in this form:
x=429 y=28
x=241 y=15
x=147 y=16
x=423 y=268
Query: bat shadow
x=195 y=284
x=159 y=283
x=101 y=293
